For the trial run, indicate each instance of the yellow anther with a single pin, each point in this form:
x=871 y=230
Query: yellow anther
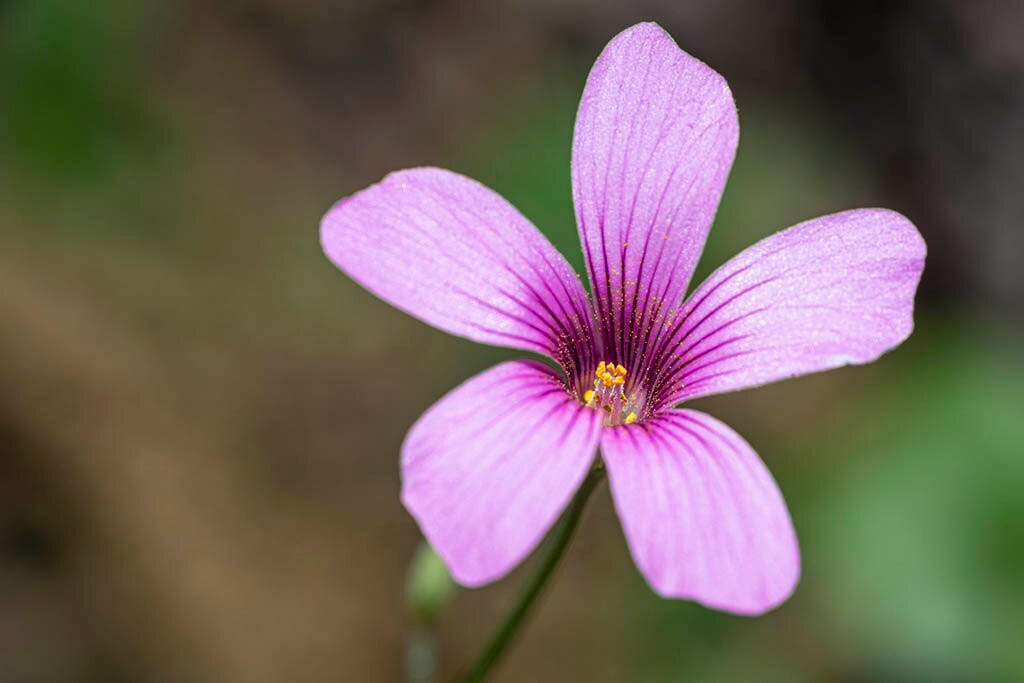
x=609 y=394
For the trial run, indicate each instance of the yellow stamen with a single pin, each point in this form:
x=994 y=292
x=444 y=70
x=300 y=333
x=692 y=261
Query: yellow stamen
x=609 y=394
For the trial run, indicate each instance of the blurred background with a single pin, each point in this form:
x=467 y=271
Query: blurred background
x=200 y=417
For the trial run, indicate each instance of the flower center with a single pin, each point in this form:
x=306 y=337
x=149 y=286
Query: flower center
x=609 y=395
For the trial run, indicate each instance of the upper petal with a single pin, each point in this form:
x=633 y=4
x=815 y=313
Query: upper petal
x=453 y=253
x=831 y=291
x=702 y=515
x=487 y=470
x=656 y=134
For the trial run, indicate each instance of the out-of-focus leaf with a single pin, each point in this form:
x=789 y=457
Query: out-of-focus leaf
x=919 y=544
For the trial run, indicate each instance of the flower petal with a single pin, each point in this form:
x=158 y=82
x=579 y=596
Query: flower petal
x=703 y=517
x=453 y=253
x=832 y=291
x=655 y=137
x=487 y=470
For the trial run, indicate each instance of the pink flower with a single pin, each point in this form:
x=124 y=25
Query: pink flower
x=487 y=470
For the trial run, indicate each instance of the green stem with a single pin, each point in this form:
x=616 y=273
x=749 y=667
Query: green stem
x=510 y=626
x=421 y=654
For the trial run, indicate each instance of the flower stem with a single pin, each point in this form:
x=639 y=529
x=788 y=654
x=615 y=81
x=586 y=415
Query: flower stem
x=513 y=621
x=421 y=654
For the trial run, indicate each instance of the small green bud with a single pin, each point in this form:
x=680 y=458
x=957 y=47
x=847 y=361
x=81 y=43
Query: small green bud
x=428 y=586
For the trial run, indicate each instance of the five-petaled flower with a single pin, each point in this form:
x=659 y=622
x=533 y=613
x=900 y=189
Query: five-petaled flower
x=488 y=469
